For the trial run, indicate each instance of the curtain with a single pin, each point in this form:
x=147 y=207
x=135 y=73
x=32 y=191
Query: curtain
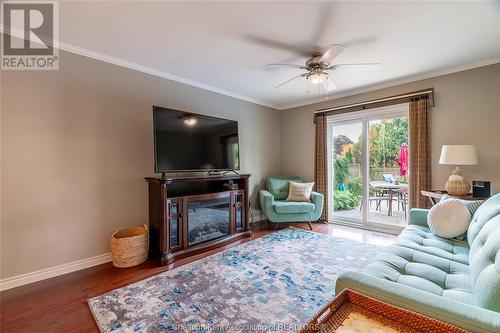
x=420 y=152
x=320 y=162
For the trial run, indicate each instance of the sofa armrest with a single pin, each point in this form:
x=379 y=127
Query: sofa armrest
x=463 y=315
x=418 y=216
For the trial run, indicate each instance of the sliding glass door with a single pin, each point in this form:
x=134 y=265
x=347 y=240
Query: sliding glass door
x=388 y=170
x=369 y=168
x=347 y=173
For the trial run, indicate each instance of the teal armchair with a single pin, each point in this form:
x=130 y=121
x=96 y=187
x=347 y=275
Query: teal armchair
x=277 y=210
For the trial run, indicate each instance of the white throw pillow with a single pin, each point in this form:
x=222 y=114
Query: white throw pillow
x=449 y=218
x=472 y=206
x=299 y=191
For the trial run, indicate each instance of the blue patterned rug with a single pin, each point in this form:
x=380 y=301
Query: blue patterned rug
x=273 y=283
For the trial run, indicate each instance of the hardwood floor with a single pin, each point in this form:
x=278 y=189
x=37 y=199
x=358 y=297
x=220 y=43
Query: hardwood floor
x=59 y=304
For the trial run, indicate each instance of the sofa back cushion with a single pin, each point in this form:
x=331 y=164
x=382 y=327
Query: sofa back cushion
x=484 y=265
x=278 y=186
x=484 y=255
x=489 y=209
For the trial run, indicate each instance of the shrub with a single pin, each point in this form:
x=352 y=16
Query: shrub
x=402 y=179
x=354 y=186
x=341 y=170
x=344 y=200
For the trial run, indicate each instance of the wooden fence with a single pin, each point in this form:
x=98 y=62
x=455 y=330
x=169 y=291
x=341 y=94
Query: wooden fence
x=376 y=173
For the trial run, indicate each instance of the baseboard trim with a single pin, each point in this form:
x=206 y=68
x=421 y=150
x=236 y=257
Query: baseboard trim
x=23 y=279
x=47 y=273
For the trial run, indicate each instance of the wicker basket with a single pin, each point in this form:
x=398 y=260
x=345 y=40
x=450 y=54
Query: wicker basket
x=332 y=316
x=129 y=247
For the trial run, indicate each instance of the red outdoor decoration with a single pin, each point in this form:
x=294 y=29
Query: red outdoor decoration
x=403 y=159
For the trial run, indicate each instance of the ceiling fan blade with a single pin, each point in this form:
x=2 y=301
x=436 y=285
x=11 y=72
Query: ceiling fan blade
x=322 y=25
x=333 y=51
x=287 y=66
x=275 y=44
x=293 y=78
x=329 y=85
x=361 y=65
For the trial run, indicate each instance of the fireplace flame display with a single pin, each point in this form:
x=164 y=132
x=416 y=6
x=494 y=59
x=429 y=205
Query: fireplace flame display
x=208 y=220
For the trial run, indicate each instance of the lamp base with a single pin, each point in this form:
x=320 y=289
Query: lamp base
x=456 y=185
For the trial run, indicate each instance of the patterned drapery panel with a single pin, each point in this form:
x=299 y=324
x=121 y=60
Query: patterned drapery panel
x=420 y=152
x=320 y=162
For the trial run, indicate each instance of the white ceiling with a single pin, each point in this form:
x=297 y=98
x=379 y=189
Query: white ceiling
x=224 y=46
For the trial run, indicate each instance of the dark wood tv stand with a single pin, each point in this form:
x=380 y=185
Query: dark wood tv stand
x=172 y=200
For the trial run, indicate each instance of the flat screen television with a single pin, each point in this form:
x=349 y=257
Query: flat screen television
x=186 y=141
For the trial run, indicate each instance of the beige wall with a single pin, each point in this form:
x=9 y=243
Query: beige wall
x=467 y=111
x=76 y=146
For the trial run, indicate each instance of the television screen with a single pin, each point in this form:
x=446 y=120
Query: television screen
x=187 y=141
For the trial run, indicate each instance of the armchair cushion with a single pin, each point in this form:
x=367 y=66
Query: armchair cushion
x=293 y=207
x=278 y=186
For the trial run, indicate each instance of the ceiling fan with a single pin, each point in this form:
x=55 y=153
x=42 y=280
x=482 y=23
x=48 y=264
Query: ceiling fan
x=319 y=67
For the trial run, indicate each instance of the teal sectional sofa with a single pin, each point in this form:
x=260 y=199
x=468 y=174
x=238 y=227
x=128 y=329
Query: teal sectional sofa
x=277 y=210
x=451 y=280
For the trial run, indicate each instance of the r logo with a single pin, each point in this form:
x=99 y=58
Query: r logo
x=36 y=20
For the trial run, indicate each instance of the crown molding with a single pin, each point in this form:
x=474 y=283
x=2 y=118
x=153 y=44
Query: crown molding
x=393 y=83
x=143 y=69
x=151 y=71
x=355 y=91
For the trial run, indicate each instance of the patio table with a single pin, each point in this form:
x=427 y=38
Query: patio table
x=390 y=188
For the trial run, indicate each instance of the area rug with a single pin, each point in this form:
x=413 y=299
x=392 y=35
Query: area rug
x=274 y=283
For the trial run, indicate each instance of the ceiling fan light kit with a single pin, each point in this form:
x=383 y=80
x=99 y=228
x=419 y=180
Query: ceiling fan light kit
x=318 y=65
x=317 y=77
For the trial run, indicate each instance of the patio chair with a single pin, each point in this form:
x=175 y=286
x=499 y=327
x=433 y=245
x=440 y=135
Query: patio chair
x=389 y=178
x=376 y=195
x=402 y=199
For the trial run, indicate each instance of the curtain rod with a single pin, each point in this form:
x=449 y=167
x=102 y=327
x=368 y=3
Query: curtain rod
x=429 y=92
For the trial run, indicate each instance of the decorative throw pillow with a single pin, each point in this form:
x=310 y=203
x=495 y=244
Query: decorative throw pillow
x=472 y=206
x=299 y=191
x=449 y=218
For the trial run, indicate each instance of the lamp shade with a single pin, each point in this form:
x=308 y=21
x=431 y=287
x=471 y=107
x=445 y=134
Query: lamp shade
x=458 y=155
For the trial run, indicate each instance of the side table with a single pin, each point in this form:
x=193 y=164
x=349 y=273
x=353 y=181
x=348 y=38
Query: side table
x=436 y=195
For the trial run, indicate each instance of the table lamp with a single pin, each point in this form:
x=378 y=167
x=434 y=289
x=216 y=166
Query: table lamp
x=458 y=155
